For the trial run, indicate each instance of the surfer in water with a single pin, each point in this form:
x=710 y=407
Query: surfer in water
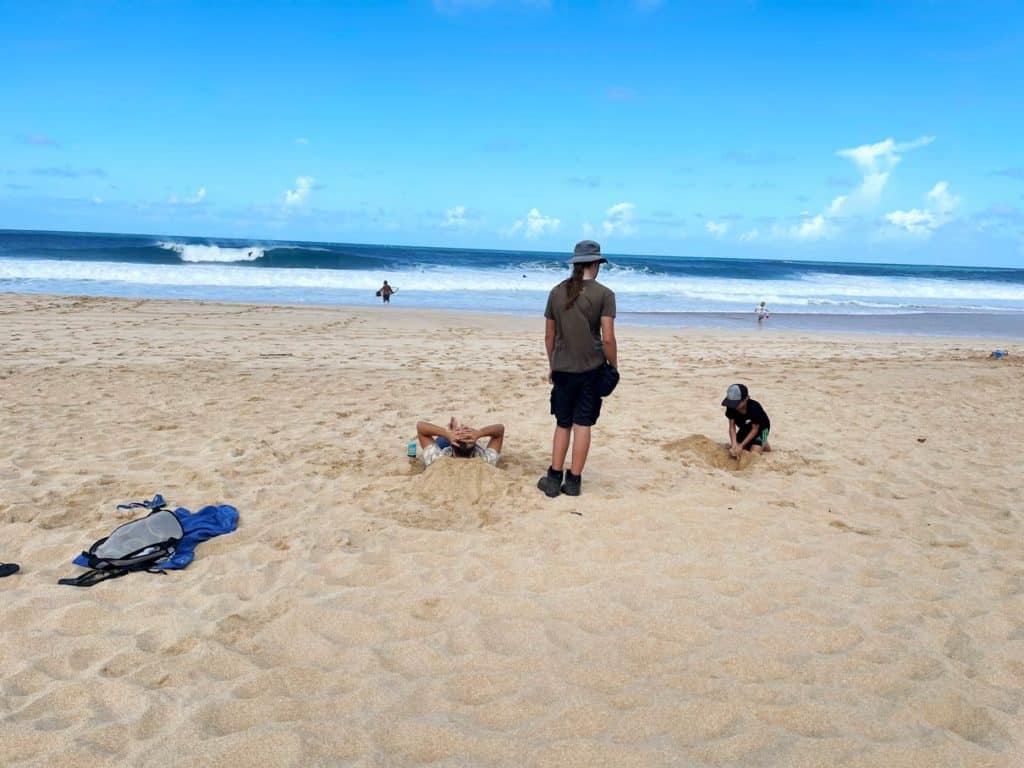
x=386 y=291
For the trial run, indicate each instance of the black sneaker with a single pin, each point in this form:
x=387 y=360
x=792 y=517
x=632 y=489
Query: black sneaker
x=573 y=485
x=551 y=483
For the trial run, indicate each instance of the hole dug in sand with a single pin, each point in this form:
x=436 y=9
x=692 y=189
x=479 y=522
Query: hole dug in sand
x=703 y=451
x=451 y=494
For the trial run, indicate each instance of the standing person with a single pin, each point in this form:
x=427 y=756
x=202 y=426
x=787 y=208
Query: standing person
x=762 y=312
x=386 y=291
x=579 y=334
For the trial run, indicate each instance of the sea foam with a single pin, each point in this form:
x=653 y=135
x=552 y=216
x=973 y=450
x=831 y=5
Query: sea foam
x=196 y=254
x=520 y=287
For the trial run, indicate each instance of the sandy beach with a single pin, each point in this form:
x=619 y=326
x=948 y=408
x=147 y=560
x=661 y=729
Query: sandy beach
x=854 y=598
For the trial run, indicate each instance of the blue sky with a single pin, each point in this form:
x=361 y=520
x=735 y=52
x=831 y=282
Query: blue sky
x=860 y=131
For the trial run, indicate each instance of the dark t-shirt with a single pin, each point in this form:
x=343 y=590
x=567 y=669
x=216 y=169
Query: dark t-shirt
x=578 y=345
x=755 y=415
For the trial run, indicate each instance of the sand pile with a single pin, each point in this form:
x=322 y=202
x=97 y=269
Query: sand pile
x=703 y=451
x=451 y=494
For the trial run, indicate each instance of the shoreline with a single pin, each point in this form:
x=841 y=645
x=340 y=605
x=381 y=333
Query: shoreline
x=994 y=325
x=964 y=326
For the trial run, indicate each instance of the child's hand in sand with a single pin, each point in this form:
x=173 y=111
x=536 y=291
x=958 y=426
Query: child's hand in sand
x=735 y=451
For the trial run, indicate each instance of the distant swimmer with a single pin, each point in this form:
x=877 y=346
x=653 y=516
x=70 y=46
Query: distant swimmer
x=386 y=291
x=762 y=313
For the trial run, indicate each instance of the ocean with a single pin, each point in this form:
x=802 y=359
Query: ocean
x=650 y=290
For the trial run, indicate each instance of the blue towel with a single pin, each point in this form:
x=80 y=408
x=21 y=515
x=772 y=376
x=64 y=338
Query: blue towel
x=208 y=522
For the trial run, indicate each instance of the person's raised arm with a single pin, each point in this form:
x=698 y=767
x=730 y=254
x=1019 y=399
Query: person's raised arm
x=495 y=433
x=426 y=432
x=611 y=347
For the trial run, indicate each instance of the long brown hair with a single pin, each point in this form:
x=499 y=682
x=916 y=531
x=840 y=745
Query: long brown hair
x=575 y=285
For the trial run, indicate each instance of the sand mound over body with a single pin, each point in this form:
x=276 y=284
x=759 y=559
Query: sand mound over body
x=451 y=494
x=701 y=450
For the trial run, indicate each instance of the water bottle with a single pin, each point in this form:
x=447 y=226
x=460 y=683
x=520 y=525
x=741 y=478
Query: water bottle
x=410 y=450
x=1000 y=353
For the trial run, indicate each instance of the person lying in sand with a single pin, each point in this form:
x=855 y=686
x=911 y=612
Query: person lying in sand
x=748 y=423
x=460 y=441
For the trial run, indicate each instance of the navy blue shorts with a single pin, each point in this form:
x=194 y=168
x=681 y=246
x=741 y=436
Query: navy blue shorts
x=574 y=398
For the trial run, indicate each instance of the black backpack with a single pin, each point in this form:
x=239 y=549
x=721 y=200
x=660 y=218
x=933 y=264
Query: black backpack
x=135 y=546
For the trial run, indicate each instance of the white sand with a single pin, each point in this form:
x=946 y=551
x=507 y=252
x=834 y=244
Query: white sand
x=855 y=598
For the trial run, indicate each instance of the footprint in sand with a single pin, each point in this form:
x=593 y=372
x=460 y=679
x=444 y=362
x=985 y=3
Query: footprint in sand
x=854 y=528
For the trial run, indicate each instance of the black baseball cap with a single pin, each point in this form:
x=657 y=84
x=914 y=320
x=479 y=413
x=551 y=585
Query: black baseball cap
x=735 y=395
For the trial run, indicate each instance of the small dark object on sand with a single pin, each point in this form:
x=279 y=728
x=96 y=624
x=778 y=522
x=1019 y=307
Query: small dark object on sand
x=921 y=439
x=6 y=569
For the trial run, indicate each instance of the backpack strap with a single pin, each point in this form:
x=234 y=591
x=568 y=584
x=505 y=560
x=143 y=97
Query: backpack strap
x=97 y=575
x=154 y=504
x=89 y=578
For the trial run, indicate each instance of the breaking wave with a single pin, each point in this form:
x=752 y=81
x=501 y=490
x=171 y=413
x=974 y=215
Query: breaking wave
x=525 y=285
x=198 y=254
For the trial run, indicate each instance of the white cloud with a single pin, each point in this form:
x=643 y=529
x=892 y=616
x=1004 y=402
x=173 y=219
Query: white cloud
x=939 y=208
x=940 y=201
x=455 y=218
x=588 y=229
x=836 y=205
x=619 y=220
x=750 y=236
x=812 y=228
x=915 y=221
x=297 y=196
x=716 y=228
x=533 y=226
x=97 y=200
x=870 y=156
x=875 y=162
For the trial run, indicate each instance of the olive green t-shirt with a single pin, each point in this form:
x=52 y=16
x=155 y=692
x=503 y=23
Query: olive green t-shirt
x=578 y=345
